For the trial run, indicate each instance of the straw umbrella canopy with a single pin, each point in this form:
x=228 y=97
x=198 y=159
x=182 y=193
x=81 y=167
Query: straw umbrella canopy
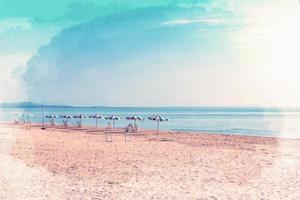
x=67 y=117
x=97 y=117
x=51 y=116
x=134 y=118
x=158 y=119
x=113 y=118
x=80 y=116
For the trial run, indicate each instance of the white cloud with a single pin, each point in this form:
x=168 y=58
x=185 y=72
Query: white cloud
x=211 y=21
x=15 y=24
x=12 y=68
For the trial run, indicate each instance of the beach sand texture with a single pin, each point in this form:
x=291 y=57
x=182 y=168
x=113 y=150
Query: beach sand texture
x=61 y=164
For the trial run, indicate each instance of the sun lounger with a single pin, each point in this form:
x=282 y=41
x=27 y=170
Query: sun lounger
x=126 y=131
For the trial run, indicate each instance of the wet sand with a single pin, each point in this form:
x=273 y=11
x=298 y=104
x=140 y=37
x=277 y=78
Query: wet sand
x=68 y=164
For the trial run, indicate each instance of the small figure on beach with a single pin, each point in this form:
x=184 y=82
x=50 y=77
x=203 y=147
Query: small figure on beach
x=129 y=128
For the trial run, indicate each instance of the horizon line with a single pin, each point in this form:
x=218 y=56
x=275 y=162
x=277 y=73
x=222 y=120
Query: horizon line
x=24 y=104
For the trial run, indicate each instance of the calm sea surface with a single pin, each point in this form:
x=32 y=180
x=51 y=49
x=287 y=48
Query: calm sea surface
x=241 y=121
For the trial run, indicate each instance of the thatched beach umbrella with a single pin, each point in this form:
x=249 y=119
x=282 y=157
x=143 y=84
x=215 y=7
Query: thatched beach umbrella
x=113 y=118
x=51 y=117
x=16 y=115
x=27 y=121
x=97 y=117
x=80 y=116
x=27 y=116
x=158 y=119
x=67 y=117
x=134 y=118
x=16 y=118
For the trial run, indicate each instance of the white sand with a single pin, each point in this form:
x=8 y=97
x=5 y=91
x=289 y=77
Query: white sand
x=77 y=165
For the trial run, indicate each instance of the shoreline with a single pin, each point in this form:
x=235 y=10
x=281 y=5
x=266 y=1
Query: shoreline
x=90 y=127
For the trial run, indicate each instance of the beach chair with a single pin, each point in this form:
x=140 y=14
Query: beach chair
x=128 y=130
x=109 y=131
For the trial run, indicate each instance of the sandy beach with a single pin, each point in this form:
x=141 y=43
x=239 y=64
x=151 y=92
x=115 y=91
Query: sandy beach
x=69 y=164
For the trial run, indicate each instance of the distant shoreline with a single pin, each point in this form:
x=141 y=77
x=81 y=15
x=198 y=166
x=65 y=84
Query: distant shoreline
x=208 y=108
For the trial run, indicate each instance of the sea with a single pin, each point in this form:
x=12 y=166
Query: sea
x=271 y=122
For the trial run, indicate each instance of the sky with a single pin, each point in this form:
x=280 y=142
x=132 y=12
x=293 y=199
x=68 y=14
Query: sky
x=151 y=52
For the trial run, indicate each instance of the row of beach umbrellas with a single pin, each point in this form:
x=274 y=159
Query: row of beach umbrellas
x=135 y=118
x=26 y=116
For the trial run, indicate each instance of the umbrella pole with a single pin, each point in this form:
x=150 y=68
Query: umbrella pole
x=96 y=122
x=113 y=125
x=43 y=117
x=27 y=122
x=157 y=127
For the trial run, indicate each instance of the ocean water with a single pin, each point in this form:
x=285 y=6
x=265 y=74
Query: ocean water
x=224 y=120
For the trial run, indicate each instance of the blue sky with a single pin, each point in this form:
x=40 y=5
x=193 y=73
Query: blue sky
x=201 y=53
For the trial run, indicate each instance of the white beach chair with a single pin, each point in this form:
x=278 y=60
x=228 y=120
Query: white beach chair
x=128 y=130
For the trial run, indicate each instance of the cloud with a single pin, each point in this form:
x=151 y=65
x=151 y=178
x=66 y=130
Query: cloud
x=15 y=24
x=211 y=21
x=120 y=57
x=148 y=52
x=149 y=56
x=11 y=69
